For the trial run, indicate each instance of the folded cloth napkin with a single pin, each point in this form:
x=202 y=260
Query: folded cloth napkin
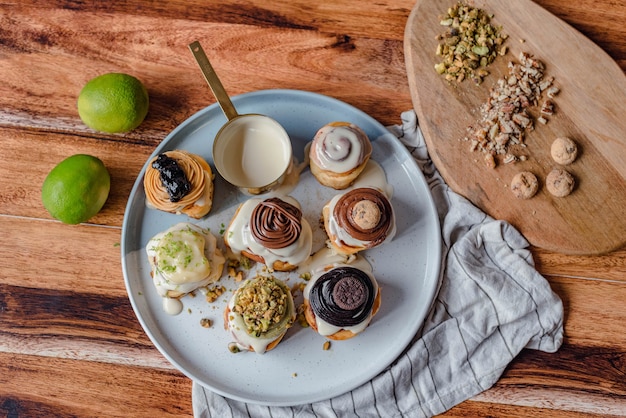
x=491 y=304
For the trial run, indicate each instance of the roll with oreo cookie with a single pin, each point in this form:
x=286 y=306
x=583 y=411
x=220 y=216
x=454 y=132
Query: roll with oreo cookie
x=340 y=302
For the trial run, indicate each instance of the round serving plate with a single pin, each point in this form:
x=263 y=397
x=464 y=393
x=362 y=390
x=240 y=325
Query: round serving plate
x=299 y=370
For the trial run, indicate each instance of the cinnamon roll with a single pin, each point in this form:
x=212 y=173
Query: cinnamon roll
x=184 y=258
x=339 y=303
x=179 y=182
x=259 y=314
x=271 y=231
x=338 y=154
x=359 y=219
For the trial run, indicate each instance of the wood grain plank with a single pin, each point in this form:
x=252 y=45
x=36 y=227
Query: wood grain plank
x=51 y=313
x=34 y=386
x=479 y=408
x=600 y=21
x=247 y=58
x=611 y=266
x=28 y=157
x=343 y=16
x=594 y=311
x=61 y=257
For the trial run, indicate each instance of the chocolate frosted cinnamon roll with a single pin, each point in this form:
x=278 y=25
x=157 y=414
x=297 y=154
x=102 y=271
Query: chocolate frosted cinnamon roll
x=340 y=303
x=359 y=219
x=271 y=231
x=338 y=154
x=179 y=182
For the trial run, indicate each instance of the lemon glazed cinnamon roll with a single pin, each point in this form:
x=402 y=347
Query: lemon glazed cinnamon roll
x=340 y=303
x=359 y=219
x=179 y=182
x=338 y=154
x=271 y=231
x=184 y=258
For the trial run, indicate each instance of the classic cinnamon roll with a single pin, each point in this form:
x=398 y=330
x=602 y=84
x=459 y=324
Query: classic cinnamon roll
x=339 y=303
x=259 y=314
x=179 y=182
x=184 y=258
x=359 y=219
x=271 y=231
x=338 y=154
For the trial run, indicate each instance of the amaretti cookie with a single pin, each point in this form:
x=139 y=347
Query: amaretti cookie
x=559 y=182
x=179 y=182
x=184 y=258
x=339 y=303
x=524 y=185
x=338 y=154
x=564 y=150
x=271 y=231
x=259 y=314
x=359 y=219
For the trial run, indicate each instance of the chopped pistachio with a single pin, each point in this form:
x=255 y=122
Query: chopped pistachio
x=470 y=42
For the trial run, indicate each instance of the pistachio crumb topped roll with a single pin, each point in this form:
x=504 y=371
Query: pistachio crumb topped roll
x=359 y=219
x=271 y=231
x=339 y=153
x=259 y=314
x=340 y=303
x=179 y=182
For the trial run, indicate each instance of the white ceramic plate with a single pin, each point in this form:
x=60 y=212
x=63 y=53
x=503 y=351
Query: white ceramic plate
x=298 y=371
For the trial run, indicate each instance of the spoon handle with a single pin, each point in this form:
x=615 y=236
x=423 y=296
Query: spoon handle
x=213 y=80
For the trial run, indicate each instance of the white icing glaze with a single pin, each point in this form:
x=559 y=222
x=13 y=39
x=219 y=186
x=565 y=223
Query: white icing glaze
x=240 y=238
x=373 y=175
x=252 y=151
x=341 y=237
x=339 y=148
x=172 y=306
x=183 y=258
x=325 y=262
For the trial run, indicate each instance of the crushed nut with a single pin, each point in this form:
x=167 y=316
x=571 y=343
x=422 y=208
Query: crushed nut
x=206 y=323
x=214 y=292
x=490 y=162
x=326 y=346
x=504 y=116
x=509 y=158
x=469 y=44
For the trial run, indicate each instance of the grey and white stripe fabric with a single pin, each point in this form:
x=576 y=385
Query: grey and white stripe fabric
x=491 y=304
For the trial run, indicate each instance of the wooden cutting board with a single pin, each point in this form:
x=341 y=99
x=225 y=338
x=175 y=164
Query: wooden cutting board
x=590 y=108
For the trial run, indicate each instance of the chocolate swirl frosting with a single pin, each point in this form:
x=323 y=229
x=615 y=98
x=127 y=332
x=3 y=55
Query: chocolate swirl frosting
x=346 y=213
x=275 y=223
x=343 y=297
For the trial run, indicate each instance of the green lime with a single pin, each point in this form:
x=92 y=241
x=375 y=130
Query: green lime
x=76 y=189
x=113 y=102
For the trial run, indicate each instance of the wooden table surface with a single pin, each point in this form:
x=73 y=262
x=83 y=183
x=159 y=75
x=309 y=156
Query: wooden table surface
x=70 y=344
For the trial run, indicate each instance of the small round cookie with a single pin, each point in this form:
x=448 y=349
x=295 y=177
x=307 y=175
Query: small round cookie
x=564 y=150
x=560 y=182
x=524 y=185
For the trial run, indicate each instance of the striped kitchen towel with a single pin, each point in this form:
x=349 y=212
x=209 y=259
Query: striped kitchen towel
x=491 y=304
